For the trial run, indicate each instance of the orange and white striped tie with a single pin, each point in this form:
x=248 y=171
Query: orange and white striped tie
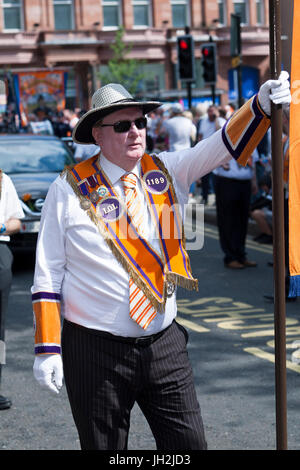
x=140 y=309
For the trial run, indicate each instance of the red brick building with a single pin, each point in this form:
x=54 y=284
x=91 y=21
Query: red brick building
x=75 y=35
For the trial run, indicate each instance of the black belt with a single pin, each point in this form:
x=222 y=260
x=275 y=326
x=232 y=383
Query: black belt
x=140 y=341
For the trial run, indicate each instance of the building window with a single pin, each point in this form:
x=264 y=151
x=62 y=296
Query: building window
x=222 y=12
x=63 y=14
x=111 y=13
x=12 y=15
x=241 y=8
x=180 y=13
x=260 y=17
x=141 y=13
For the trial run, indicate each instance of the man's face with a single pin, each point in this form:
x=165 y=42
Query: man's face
x=123 y=149
x=212 y=113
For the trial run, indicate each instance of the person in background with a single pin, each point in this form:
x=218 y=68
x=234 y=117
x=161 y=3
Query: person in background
x=261 y=211
x=181 y=132
x=189 y=115
x=61 y=126
x=42 y=124
x=71 y=116
x=234 y=185
x=10 y=214
x=154 y=124
x=180 y=129
x=206 y=127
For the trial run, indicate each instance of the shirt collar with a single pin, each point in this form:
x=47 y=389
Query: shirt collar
x=114 y=172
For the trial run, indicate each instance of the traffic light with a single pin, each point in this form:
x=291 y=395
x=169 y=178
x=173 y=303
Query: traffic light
x=186 y=60
x=209 y=63
x=235 y=35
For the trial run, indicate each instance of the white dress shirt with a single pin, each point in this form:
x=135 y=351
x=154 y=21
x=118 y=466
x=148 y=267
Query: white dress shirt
x=74 y=260
x=236 y=171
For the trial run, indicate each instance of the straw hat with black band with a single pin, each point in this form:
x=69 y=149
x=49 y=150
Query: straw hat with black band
x=106 y=100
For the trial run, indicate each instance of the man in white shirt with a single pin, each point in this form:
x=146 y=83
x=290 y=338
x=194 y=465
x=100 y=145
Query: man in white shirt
x=234 y=185
x=10 y=214
x=41 y=125
x=106 y=261
x=206 y=127
x=179 y=128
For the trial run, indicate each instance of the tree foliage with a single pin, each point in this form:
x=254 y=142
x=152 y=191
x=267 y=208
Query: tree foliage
x=120 y=68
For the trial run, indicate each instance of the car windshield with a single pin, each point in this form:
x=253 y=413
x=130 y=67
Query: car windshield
x=33 y=156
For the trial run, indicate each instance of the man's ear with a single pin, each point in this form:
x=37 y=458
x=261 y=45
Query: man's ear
x=96 y=134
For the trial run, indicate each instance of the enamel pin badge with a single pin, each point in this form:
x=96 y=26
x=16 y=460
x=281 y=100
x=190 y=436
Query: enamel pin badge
x=156 y=182
x=109 y=209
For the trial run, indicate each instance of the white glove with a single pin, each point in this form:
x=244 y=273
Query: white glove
x=276 y=90
x=48 y=371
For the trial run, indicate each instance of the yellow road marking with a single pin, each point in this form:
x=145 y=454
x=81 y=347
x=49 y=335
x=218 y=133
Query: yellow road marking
x=234 y=315
x=290 y=331
x=271 y=358
x=190 y=324
x=239 y=317
x=240 y=324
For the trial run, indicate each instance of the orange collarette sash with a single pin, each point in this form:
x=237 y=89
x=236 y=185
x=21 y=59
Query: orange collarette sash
x=153 y=272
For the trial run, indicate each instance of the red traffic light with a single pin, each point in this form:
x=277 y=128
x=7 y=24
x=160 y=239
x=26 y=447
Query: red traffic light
x=208 y=51
x=209 y=63
x=185 y=57
x=183 y=44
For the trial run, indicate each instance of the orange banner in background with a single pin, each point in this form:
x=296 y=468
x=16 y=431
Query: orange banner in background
x=294 y=160
x=44 y=89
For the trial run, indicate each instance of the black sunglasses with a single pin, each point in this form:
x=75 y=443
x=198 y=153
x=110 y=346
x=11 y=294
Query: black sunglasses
x=124 y=126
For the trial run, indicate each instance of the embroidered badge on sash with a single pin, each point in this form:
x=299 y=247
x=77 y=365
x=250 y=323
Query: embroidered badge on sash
x=102 y=191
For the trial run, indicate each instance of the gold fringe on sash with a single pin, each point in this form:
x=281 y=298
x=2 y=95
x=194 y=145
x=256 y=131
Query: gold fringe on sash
x=181 y=281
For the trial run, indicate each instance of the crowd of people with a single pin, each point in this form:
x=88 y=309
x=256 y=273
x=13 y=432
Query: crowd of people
x=45 y=121
x=171 y=128
x=60 y=124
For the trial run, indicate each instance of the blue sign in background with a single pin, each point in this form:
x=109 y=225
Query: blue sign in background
x=204 y=99
x=250 y=82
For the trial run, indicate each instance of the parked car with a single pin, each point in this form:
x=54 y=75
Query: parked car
x=32 y=162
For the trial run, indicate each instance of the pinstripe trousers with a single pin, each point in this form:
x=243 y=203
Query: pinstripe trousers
x=6 y=259
x=105 y=377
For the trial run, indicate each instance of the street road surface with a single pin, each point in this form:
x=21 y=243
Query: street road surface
x=231 y=346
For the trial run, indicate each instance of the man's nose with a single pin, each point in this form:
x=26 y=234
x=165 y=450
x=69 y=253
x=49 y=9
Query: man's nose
x=133 y=127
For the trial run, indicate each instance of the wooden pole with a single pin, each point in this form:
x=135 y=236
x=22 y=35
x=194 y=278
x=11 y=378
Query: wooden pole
x=278 y=232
